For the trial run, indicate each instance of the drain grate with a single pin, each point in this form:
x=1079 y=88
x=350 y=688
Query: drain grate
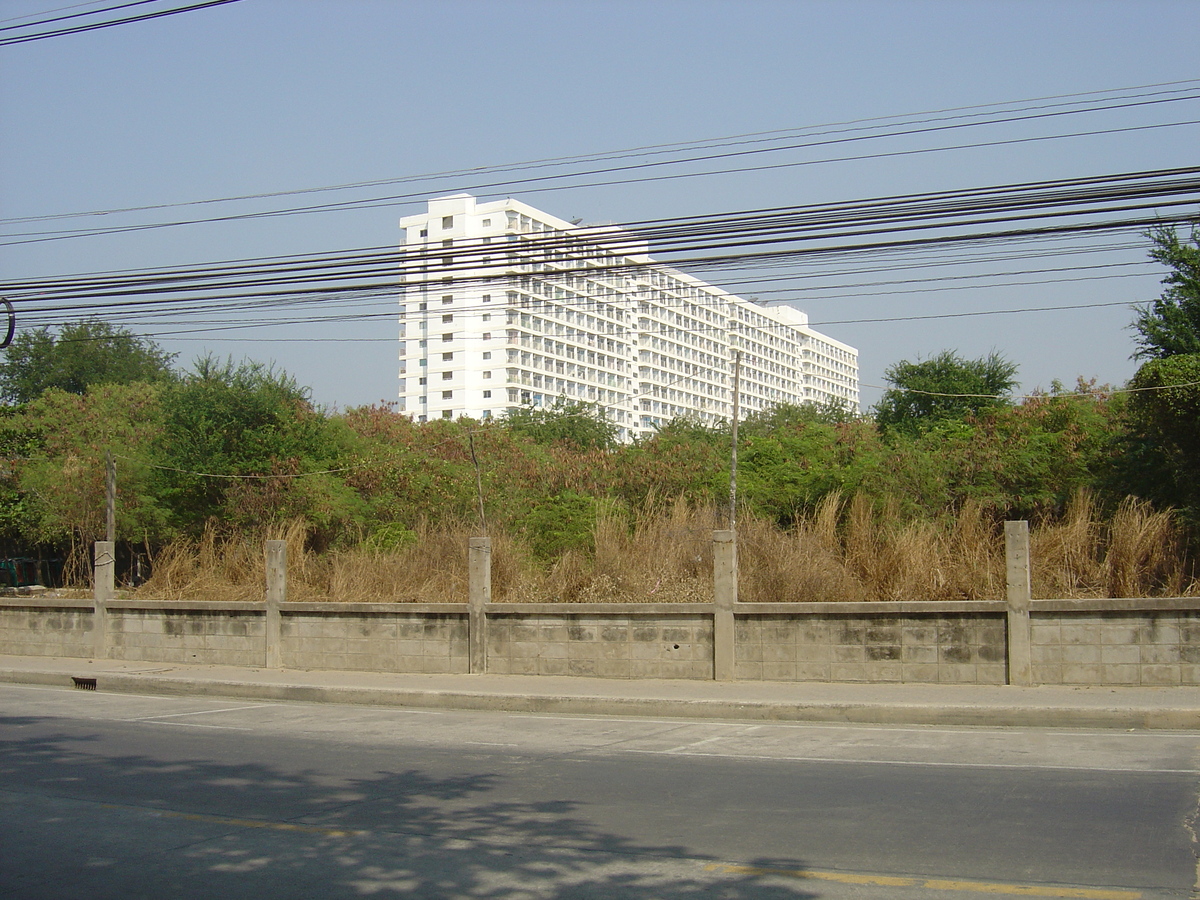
x=84 y=684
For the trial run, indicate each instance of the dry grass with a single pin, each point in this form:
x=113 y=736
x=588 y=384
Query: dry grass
x=844 y=551
x=665 y=556
x=1137 y=553
x=848 y=552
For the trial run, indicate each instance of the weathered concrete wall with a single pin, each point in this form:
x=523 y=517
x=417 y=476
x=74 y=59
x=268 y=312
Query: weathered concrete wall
x=1116 y=647
x=37 y=628
x=955 y=648
x=1112 y=642
x=231 y=635
x=384 y=639
x=619 y=644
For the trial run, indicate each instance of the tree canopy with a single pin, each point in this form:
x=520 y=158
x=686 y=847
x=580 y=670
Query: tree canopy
x=943 y=387
x=581 y=425
x=223 y=421
x=1170 y=325
x=80 y=355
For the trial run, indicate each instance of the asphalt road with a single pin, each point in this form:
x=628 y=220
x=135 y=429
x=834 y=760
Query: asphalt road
x=107 y=795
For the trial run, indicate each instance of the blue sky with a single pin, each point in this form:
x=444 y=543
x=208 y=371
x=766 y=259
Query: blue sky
x=264 y=96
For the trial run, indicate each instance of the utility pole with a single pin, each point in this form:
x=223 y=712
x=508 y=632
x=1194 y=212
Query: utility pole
x=737 y=371
x=110 y=497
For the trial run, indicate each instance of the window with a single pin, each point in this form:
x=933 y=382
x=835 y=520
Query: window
x=487 y=317
x=487 y=223
x=447 y=221
x=448 y=243
x=424 y=233
x=446 y=414
x=423 y=307
x=421 y=380
x=447 y=395
x=449 y=317
x=447 y=356
x=448 y=298
x=487 y=335
x=487 y=298
x=487 y=395
x=487 y=354
x=446 y=376
x=485 y=374
x=448 y=337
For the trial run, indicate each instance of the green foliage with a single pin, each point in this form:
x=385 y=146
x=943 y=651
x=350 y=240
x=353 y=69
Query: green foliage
x=1163 y=450
x=583 y=426
x=81 y=355
x=61 y=478
x=225 y=420
x=374 y=477
x=1023 y=461
x=833 y=411
x=1170 y=325
x=391 y=537
x=943 y=387
x=560 y=523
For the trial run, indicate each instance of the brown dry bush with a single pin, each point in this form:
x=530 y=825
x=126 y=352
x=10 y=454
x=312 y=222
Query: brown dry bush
x=843 y=551
x=1138 y=553
x=663 y=556
x=1067 y=555
x=1144 y=552
x=212 y=568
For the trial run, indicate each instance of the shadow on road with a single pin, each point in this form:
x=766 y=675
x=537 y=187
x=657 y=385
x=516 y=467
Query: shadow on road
x=83 y=821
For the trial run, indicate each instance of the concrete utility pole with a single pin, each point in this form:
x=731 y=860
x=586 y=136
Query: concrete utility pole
x=110 y=497
x=737 y=371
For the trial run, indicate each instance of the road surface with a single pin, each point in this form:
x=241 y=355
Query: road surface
x=125 y=796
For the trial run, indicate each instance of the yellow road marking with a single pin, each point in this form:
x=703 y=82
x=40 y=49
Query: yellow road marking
x=243 y=823
x=936 y=884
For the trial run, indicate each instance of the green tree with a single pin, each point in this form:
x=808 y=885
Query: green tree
x=581 y=425
x=1163 y=450
x=943 y=387
x=82 y=354
x=244 y=444
x=59 y=497
x=1170 y=325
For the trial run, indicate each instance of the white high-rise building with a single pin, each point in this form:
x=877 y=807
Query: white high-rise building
x=503 y=305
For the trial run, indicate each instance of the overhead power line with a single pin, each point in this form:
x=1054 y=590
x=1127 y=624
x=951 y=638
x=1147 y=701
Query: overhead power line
x=695 y=155
x=287 y=288
x=80 y=15
x=95 y=26
x=1100 y=101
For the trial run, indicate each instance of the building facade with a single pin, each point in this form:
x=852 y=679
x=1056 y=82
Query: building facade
x=503 y=305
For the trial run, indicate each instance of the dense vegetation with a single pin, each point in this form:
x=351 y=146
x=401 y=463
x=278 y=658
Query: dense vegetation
x=228 y=450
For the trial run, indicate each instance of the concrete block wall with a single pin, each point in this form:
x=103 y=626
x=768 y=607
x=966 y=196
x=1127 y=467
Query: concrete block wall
x=216 y=637
x=1151 y=647
x=37 y=629
x=1018 y=640
x=962 y=648
x=624 y=644
x=383 y=640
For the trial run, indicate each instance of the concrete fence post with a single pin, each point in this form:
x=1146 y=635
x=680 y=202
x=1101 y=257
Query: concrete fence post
x=725 y=586
x=276 y=594
x=1019 y=594
x=104 y=586
x=479 y=593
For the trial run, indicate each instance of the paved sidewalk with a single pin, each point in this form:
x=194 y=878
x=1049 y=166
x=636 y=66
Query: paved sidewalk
x=924 y=704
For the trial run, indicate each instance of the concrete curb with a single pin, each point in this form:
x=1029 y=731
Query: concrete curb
x=860 y=712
